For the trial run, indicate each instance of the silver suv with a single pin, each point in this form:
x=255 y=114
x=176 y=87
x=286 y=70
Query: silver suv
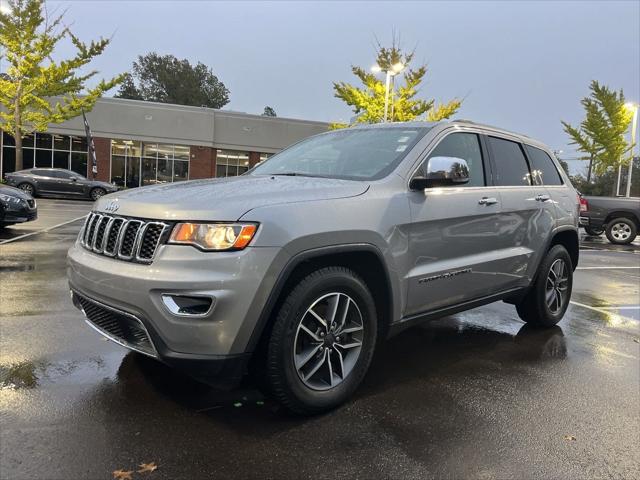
x=299 y=268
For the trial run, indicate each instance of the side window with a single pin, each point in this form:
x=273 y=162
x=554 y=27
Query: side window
x=465 y=146
x=511 y=164
x=40 y=173
x=543 y=170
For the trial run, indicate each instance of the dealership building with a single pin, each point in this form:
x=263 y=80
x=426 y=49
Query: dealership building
x=142 y=143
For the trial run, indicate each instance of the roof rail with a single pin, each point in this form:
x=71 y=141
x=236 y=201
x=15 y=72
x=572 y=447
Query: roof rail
x=492 y=127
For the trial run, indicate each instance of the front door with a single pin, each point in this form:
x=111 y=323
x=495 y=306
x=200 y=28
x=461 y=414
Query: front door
x=455 y=243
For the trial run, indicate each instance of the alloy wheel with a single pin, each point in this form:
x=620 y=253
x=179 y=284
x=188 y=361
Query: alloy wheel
x=328 y=341
x=26 y=187
x=557 y=286
x=621 y=231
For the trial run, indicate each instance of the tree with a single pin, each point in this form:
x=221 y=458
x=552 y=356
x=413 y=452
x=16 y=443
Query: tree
x=601 y=134
x=269 y=112
x=368 y=101
x=167 y=79
x=37 y=90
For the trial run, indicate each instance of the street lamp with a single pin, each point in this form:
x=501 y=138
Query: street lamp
x=395 y=69
x=634 y=126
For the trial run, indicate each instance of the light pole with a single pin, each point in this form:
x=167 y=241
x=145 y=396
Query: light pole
x=634 y=127
x=395 y=69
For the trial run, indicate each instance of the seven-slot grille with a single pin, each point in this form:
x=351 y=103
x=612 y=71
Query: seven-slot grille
x=123 y=238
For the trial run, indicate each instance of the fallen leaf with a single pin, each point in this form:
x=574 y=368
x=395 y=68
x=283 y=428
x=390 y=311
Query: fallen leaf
x=636 y=340
x=147 y=467
x=122 y=474
x=237 y=404
x=570 y=438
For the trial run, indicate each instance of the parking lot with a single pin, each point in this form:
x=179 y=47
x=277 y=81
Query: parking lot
x=476 y=395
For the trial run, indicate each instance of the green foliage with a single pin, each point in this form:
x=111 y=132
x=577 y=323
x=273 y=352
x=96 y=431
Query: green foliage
x=269 y=112
x=167 y=79
x=601 y=135
x=36 y=90
x=368 y=101
x=605 y=184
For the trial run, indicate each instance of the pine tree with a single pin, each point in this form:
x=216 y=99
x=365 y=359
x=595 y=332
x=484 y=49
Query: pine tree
x=36 y=90
x=601 y=134
x=368 y=101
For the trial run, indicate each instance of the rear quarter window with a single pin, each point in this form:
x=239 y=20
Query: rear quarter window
x=543 y=169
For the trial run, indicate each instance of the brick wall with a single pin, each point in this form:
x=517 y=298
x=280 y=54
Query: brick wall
x=200 y=166
x=103 y=158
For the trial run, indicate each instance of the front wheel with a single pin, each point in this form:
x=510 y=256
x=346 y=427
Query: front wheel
x=547 y=300
x=322 y=341
x=621 y=231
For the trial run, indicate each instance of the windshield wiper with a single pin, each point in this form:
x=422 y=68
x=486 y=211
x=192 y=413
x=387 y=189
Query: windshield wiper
x=298 y=174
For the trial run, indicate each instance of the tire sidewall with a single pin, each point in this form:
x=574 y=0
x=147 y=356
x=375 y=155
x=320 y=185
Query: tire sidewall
x=557 y=252
x=627 y=221
x=97 y=189
x=335 y=281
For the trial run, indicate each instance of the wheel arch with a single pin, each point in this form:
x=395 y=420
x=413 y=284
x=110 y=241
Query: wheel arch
x=568 y=238
x=622 y=214
x=365 y=260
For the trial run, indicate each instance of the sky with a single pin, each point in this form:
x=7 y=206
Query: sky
x=523 y=66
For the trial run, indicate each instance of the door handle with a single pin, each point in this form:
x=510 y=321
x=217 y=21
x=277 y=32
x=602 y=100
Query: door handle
x=542 y=198
x=487 y=201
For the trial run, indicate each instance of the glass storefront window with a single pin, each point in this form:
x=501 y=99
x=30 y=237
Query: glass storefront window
x=230 y=163
x=43 y=159
x=79 y=144
x=117 y=170
x=181 y=152
x=136 y=164
x=61 y=142
x=51 y=150
x=61 y=160
x=79 y=163
x=44 y=140
x=180 y=170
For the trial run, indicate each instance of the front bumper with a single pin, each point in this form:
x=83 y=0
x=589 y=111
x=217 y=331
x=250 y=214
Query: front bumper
x=132 y=333
x=237 y=282
x=19 y=214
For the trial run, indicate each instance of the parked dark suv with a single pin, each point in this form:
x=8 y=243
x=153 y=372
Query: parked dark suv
x=301 y=266
x=57 y=181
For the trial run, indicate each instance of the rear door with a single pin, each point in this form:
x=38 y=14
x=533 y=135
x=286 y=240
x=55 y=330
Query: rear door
x=454 y=237
x=527 y=216
x=44 y=180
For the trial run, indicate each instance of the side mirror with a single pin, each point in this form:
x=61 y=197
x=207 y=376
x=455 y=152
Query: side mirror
x=442 y=172
x=74 y=179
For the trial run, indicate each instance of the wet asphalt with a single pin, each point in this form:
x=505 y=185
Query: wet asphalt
x=476 y=395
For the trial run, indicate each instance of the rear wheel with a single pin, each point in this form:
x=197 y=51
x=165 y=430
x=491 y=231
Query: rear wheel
x=322 y=341
x=621 y=231
x=548 y=299
x=97 y=192
x=27 y=187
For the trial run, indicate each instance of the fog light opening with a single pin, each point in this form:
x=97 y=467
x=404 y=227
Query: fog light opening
x=187 y=305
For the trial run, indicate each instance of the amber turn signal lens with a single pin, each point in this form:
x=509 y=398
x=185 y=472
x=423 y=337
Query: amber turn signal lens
x=184 y=232
x=246 y=234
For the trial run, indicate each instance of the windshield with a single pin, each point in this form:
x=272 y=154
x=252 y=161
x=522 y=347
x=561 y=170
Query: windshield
x=352 y=154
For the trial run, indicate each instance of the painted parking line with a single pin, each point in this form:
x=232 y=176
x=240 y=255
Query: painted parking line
x=14 y=239
x=609 y=268
x=603 y=311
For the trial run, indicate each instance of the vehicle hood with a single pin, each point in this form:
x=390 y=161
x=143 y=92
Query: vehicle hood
x=225 y=199
x=14 y=192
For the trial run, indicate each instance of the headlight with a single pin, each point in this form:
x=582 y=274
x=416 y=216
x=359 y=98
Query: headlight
x=214 y=236
x=10 y=199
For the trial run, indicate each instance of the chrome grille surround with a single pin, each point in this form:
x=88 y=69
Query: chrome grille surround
x=127 y=239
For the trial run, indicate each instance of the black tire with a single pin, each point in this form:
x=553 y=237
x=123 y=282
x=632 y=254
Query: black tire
x=282 y=377
x=621 y=231
x=27 y=187
x=596 y=232
x=534 y=308
x=96 y=193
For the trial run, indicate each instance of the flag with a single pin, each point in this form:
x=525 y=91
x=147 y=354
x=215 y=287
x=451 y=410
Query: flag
x=92 y=147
